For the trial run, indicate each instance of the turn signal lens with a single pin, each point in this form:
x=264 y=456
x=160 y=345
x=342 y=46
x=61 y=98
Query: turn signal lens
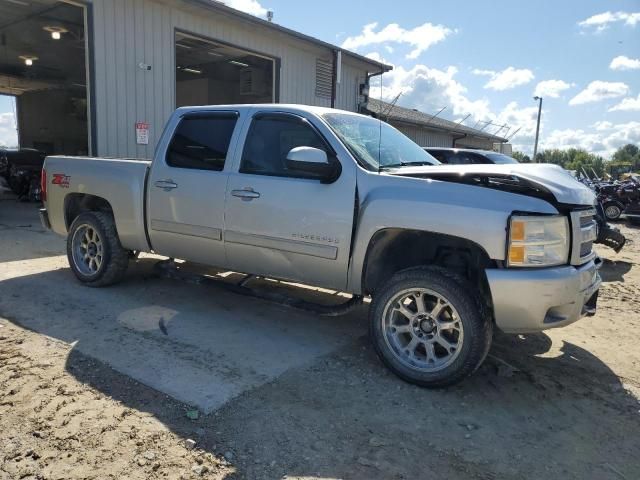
x=516 y=254
x=517 y=230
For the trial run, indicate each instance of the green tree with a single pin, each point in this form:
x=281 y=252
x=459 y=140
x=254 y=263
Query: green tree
x=627 y=155
x=573 y=159
x=521 y=157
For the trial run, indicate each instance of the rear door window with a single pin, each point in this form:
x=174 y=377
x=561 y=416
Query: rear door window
x=202 y=141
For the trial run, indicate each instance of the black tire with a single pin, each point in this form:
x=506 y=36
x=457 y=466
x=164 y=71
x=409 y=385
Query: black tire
x=612 y=210
x=476 y=325
x=114 y=258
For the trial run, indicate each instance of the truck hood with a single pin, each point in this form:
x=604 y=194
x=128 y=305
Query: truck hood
x=547 y=181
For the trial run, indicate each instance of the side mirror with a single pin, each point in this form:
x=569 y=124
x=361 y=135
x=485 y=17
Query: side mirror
x=314 y=162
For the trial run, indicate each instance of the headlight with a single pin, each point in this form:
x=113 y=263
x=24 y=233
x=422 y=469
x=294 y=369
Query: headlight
x=538 y=241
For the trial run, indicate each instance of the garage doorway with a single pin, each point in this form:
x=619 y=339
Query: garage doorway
x=212 y=73
x=43 y=63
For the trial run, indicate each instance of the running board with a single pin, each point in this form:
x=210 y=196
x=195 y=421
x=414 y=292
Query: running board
x=171 y=270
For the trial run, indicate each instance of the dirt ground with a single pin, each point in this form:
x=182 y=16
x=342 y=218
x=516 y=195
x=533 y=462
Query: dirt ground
x=75 y=400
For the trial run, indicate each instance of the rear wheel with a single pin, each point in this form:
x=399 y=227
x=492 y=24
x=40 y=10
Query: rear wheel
x=94 y=251
x=428 y=327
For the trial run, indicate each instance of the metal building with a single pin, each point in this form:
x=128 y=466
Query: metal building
x=102 y=76
x=429 y=130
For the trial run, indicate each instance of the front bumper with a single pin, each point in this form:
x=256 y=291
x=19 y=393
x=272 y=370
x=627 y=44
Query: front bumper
x=531 y=300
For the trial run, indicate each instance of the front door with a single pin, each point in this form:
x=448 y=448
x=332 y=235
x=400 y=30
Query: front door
x=187 y=189
x=284 y=225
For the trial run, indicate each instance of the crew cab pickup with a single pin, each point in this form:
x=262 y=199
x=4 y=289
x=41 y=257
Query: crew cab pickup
x=343 y=201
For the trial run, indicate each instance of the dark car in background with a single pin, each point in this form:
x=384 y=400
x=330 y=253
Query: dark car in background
x=466 y=156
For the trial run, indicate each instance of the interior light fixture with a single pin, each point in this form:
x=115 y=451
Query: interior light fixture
x=240 y=64
x=56 y=32
x=190 y=70
x=215 y=54
x=28 y=59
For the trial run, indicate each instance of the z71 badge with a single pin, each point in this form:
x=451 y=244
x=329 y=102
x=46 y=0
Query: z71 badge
x=61 y=179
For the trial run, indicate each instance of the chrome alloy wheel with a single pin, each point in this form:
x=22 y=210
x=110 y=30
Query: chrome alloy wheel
x=422 y=329
x=612 y=212
x=87 y=250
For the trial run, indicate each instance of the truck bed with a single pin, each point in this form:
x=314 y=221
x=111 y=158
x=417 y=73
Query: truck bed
x=119 y=181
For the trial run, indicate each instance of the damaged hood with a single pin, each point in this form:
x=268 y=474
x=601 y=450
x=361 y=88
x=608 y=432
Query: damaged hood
x=534 y=179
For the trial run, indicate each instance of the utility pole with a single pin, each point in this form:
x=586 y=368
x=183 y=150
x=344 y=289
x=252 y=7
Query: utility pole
x=535 y=146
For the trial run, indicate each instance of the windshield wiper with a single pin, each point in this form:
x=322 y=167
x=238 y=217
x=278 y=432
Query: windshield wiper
x=406 y=164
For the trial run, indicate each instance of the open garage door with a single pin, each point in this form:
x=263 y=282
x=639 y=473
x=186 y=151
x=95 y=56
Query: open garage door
x=210 y=73
x=43 y=64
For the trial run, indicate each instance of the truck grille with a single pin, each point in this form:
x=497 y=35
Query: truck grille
x=584 y=231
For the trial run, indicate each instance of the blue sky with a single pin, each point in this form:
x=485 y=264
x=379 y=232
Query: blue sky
x=489 y=58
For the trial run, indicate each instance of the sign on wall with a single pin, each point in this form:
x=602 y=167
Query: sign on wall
x=142 y=133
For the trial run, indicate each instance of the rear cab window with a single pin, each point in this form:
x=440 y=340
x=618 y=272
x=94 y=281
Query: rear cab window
x=201 y=141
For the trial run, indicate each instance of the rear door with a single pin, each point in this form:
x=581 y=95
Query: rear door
x=186 y=188
x=288 y=225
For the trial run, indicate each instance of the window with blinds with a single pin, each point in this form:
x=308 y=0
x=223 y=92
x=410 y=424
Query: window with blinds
x=324 y=75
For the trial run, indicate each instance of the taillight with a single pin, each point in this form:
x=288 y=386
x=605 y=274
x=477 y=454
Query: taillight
x=43 y=185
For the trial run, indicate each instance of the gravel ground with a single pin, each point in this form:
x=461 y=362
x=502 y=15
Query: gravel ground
x=560 y=404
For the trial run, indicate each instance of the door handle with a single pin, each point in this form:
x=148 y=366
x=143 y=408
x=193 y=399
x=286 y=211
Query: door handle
x=166 y=185
x=246 y=194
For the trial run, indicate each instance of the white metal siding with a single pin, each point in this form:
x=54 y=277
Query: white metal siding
x=424 y=137
x=130 y=32
x=348 y=90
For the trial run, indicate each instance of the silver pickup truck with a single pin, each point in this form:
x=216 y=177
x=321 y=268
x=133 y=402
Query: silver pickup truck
x=343 y=201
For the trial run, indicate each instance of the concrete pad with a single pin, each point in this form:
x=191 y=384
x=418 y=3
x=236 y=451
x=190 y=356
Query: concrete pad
x=199 y=344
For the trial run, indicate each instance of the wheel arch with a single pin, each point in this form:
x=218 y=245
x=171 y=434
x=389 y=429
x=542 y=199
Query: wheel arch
x=77 y=203
x=391 y=250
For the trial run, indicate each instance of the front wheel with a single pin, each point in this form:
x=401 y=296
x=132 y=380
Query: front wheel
x=94 y=251
x=428 y=328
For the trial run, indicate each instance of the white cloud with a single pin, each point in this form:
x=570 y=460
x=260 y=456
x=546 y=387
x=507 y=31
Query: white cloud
x=602 y=21
x=429 y=89
x=624 y=63
x=8 y=134
x=606 y=140
x=602 y=125
x=599 y=90
x=522 y=122
x=419 y=38
x=378 y=58
x=551 y=88
x=506 y=79
x=252 y=7
x=628 y=104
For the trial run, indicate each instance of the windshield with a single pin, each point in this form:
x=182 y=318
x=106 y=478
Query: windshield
x=375 y=144
x=500 y=158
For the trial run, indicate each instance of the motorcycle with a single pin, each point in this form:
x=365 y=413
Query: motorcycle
x=21 y=168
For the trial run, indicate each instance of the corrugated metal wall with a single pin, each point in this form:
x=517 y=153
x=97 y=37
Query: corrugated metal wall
x=130 y=32
x=424 y=137
x=433 y=138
